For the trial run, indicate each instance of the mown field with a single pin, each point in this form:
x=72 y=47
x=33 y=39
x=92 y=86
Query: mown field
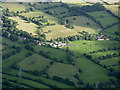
x=23 y=25
x=80 y=24
x=113 y=8
x=105 y=19
x=58 y=31
x=15 y=6
x=40 y=13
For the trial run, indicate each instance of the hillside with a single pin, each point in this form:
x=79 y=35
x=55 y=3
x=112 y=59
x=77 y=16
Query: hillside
x=60 y=45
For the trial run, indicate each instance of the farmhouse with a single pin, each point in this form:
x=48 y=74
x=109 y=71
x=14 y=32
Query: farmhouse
x=59 y=44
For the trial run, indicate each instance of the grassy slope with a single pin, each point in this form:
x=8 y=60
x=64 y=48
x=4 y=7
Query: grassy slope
x=63 y=70
x=80 y=24
x=91 y=73
x=34 y=62
x=40 y=13
x=53 y=53
x=113 y=8
x=106 y=20
x=58 y=31
x=109 y=62
x=23 y=25
x=81 y=48
x=25 y=81
x=15 y=6
x=50 y=81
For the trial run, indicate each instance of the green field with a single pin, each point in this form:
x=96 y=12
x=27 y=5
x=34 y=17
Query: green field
x=15 y=6
x=96 y=55
x=89 y=46
x=23 y=25
x=113 y=8
x=105 y=19
x=58 y=31
x=63 y=70
x=53 y=53
x=25 y=81
x=92 y=73
x=34 y=62
x=50 y=81
x=50 y=18
x=80 y=24
x=110 y=61
x=112 y=30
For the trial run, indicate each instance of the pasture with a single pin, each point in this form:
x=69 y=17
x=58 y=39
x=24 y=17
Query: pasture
x=34 y=62
x=110 y=61
x=63 y=70
x=23 y=25
x=82 y=23
x=50 y=18
x=113 y=8
x=99 y=54
x=25 y=81
x=83 y=46
x=53 y=53
x=105 y=19
x=91 y=72
x=15 y=6
x=50 y=81
x=58 y=31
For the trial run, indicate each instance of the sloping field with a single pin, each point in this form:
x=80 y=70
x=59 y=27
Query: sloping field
x=15 y=6
x=40 y=13
x=58 y=31
x=63 y=70
x=82 y=23
x=23 y=25
x=53 y=53
x=92 y=73
x=113 y=8
x=34 y=62
x=105 y=19
x=110 y=61
x=89 y=46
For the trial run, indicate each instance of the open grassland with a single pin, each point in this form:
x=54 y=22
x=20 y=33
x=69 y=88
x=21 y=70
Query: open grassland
x=113 y=8
x=25 y=81
x=89 y=46
x=7 y=50
x=59 y=12
x=14 y=58
x=43 y=6
x=34 y=62
x=82 y=23
x=105 y=19
x=110 y=61
x=23 y=25
x=92 y=72
x=50 y=18
x=53 y=53
x=58 y=31
x=15 y=6
x=34 y=77
x=117 y=68
x=80 y=4
x=63 y=70
x=112 y=30
x=97 y=55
